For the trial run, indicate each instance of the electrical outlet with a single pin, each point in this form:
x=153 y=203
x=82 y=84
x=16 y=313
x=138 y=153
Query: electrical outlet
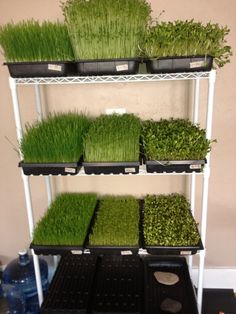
x=115 y=110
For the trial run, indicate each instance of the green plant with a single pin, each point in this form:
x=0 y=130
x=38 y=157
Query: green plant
x=113 y=138
x=66 y=221
x=59 y=138
x=32 y=41
x=174 y=139
x=117 y=222
x=168 y=221
x=101 y=29
x=188 y=38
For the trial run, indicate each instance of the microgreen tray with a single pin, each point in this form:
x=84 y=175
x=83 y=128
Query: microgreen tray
x=50 y=168
x=108 y=67
x=169 y=250
x=114 y=250
x=179 y=64
x=111 y=167
x=118 y=285
x=40 y=69
x=156 y=292
x=71 y=287
x=178 y=166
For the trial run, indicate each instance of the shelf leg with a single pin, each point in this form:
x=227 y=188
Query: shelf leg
x=206 y=176
x=26 y=185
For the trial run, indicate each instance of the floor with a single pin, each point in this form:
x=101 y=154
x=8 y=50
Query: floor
x=219 y=301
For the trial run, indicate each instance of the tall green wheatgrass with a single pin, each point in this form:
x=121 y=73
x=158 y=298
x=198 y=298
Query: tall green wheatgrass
x=103 y=29
x=32 y=41
x=67 y=220
x=59 y=138
x=112 y=138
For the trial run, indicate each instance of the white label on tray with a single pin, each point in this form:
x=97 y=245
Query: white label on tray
x=185 y=252
x=197 y=64
x=196 y=166
x=55 y=67
x=126 y=252
x=70 y=170
x=76 y=252
x=122 y=67
x=130 y=170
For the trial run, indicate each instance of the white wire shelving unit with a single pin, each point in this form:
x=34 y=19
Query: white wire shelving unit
x=194 y=76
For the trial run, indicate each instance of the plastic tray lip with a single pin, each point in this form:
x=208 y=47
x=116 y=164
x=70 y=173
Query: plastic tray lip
x=176 y=162
x=101 y=60
x=146 y=59
x=37 y=62
x=111 y=164
x=47 y=164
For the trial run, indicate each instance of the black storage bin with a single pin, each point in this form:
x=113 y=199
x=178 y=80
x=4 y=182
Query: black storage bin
x=178 y=166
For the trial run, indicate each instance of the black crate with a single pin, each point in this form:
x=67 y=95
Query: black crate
x=50 y=168
x=111 y=167
x=40 y=69
x=118 y=285
x=108 y=67
x=178 y=166
x=156 y=292
x=179 y=64
x=71 y=287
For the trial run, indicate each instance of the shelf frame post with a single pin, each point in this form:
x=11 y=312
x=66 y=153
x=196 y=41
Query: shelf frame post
x=205 y=188
x=27 y=191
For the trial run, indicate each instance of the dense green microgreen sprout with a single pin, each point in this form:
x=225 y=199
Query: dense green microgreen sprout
x=188 y=38
x=32 y=41
x=168 y=221
x=113 y=138
x=103 y=29
x=67 y=220
x=59 y=138
x=117 y=222
x=174 y=139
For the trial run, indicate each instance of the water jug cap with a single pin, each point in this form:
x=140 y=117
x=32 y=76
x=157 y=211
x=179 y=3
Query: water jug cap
x=22 y=252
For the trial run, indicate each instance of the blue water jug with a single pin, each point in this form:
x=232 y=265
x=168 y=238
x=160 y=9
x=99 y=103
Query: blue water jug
x=12 y=300
x=20 y=273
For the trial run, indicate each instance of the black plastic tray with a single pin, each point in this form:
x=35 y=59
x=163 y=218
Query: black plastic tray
x=155 y=292
x=179 y=64
x=71 y=287
x=118 y=285
x=63 y=249
x=57 y=249
x=50 y=168
x=120 y=250
x=40 y=69
x=178 y=166
x=169 y=250
x=111 y=167
x=108 y=66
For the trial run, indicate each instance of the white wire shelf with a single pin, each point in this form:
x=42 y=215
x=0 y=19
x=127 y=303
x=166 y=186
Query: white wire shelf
x=112 y=78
